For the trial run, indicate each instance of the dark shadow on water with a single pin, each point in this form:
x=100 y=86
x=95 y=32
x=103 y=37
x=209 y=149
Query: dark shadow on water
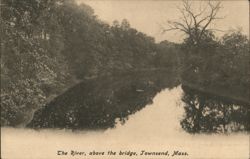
x=98 y=103
x=206 y=113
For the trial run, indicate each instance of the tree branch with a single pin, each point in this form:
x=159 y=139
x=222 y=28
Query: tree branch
x=195 y=24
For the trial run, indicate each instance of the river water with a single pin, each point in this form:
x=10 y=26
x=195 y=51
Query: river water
x=155 y=127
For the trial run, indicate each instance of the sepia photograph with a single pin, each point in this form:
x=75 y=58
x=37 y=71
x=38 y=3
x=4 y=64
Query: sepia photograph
x=125 y=79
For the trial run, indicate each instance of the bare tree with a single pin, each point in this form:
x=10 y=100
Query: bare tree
x=195 y=24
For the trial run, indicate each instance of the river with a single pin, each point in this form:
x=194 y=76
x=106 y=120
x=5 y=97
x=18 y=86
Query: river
x=155 y=127
x=140 y=111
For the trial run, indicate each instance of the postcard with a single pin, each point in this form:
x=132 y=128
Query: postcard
x=129 y=79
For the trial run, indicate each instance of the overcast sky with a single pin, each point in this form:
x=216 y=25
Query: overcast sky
x=148 y=15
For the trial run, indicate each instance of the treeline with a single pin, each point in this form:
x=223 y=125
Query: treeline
x=49 y=45
x=220 y=65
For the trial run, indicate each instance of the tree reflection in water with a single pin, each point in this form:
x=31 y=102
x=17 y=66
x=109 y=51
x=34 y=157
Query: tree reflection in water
x=98 y=103
x=205 y=113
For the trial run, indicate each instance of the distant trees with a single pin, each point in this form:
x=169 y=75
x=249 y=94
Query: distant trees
x=167 y=55
x=133 y=49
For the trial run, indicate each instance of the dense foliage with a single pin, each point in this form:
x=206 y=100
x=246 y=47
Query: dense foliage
x=31 y=70
x=49 y=45
x=218 y=65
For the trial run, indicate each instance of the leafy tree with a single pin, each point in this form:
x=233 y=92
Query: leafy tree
x=28 y=64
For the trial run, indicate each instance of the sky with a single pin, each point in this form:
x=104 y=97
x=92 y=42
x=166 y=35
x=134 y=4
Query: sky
x=149 y=16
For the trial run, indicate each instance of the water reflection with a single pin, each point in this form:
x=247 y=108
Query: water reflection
x=98 y=103
x=205 y=113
